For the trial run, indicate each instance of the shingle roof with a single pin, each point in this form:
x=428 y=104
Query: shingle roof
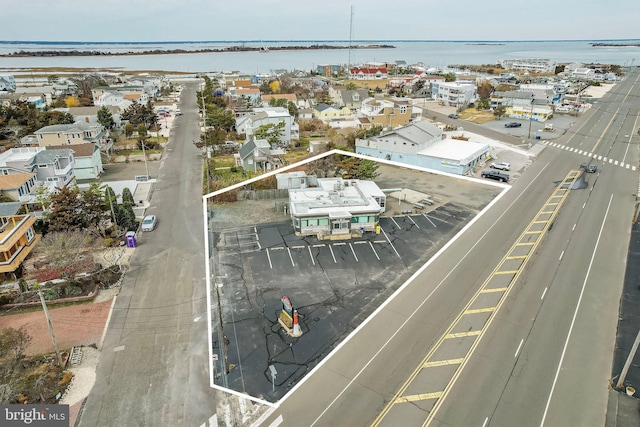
x=74 y=127
x=9 y=208
x=79 y=150
x=9 y=182
x=49 y=156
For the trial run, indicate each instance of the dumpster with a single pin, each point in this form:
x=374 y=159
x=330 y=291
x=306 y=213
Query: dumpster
x=131 y=239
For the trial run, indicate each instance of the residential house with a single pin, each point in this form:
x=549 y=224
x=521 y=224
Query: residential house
x=258 y=156
x=40 y=96
x=352 y=99
x=368 y=73
x=267 y=116
x=17 y=237
x=90 y=114
x=536 y=106
x=541 y=66
x=251 y=94
x=288 y=97
x=7 y=83
x=53 y=168
x=425 y=145
x=388 y=112
x=455 y=94
x=88 y=161
x=305 y=113
x=17 y=187
x=329 y=70
x=326 y=112
x=71 y=134
x=119 y=95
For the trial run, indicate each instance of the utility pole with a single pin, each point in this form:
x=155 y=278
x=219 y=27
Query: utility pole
x=53 y=336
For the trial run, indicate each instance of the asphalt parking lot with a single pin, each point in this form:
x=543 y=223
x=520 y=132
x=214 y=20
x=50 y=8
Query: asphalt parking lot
x=334 y=285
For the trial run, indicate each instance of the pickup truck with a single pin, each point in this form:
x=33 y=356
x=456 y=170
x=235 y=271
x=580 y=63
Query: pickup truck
x=494 y=174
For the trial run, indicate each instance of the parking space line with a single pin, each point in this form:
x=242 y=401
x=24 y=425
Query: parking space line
x=291 y=257
x=269 y=258
x=414 y=223
x=379 y=241
x=311 y=255
x=361 y=242
x=339 y=244
x=319 y=246
x=439 y=219
x=259 y=246
x=298 y=247
x=432 y=223
x=394 y=221
x=333 y=255
x=353 y=252
x=374 y=251
x=394 y=248
x=277 y=248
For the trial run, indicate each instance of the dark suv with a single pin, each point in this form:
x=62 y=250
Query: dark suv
x=512 y=125
x=498 y=176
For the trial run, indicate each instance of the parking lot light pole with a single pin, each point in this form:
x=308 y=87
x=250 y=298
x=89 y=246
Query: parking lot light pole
x=531 y=116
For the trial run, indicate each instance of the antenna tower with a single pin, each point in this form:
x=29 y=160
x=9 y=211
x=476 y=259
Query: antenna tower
x=350 y=36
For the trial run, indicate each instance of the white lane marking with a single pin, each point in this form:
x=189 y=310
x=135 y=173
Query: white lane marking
x=561 y=256
x=574 y=227
x=291 y=258
x=298 y=247
x=633 y=168
x=610 y=160
x=269 y=258
x=394 y=221
x=414 y=223
x=615 y=163
x=374 y=251
x=419 y=307
x=277 y=421
x=604 y=159
x=584 y=204
x=311 y=255
x=333 y=255
x=339 y=244
x=389 y=241
x=486 y=420
x=599 y=157
x=425 y=215
x=575 y=314
x=319 y=246
x=519 y=347
x=360 y=242
x=353 y=252
x=627 y=167
x=544 y=293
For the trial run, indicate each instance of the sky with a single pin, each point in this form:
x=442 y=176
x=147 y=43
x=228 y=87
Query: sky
x=204 y=20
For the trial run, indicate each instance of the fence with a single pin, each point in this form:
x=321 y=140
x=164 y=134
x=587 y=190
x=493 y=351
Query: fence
x=263 y=194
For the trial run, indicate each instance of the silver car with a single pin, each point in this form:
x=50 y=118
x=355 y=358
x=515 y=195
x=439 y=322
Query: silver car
x=501 y=165
x=149 y=223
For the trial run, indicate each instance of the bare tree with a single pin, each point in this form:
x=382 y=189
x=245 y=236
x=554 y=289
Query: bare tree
x=14 y=341
x=67 y=250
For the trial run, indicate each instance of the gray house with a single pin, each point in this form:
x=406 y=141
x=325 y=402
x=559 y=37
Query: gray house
x=53 y=168
x=257 y=155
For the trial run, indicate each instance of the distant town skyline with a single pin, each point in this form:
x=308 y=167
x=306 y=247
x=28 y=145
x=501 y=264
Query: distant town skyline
x=279 y=20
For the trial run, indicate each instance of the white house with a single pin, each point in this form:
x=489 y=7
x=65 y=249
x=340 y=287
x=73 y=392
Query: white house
x=88 y=161
x=454 y=94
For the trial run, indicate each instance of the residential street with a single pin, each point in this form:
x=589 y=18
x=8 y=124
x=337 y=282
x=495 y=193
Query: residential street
x=153 y=369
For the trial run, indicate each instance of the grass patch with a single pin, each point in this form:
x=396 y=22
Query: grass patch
x=477 y=116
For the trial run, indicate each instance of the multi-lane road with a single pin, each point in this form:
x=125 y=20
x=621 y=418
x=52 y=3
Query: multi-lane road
x=540 y=355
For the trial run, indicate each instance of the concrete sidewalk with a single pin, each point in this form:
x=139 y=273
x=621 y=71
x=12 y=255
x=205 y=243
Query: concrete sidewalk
x=622 y=410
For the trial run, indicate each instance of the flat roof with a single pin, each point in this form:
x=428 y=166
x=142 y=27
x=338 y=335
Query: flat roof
x=334 y=197
x=455 y=149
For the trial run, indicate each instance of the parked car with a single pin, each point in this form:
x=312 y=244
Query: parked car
x=590 y=168
x=501 y=165
x=178 y=112
x=498 y=176
x=149 y=223
x=512 y=125
x=453 y=116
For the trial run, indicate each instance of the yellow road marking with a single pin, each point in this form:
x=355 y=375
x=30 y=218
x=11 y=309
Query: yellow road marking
x=416 y=397
x=462 y=335
x=486 y=291
x=480 y=310
x=443 y=363
x=533 y=232
x=440 y=396
x=516 y=256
